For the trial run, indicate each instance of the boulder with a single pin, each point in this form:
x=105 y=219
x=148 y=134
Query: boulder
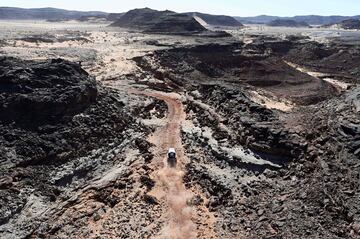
x=36 y=92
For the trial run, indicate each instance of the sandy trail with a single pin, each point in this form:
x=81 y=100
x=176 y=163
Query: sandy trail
x=169 y=185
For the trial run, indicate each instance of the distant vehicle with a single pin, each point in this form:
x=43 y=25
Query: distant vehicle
x=171 y=158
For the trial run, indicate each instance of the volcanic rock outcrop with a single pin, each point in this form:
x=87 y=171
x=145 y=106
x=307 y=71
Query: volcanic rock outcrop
x=36 y=92
x=259 y=65
x=58 y=129
x=333 y=60
x=315 y=194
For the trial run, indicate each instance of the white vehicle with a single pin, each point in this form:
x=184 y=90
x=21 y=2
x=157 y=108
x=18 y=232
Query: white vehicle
x=171 y=158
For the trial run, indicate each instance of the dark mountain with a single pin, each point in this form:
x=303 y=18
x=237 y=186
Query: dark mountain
x=217 y=20
x=176 y=23
x=43 y=13
x=163 y=22
x=142 y=18
x=309 y=19
x=287 y=23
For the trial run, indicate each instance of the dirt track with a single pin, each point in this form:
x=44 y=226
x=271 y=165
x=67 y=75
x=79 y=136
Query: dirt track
x=169 y=188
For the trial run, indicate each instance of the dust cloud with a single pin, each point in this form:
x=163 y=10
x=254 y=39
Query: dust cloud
x=180 y=225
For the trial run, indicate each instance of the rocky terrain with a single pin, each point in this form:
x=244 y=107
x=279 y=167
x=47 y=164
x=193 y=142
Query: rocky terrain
x=260 y=200
x=261 y=65
x=58 y=130
x=266 y=127
x=293 y=160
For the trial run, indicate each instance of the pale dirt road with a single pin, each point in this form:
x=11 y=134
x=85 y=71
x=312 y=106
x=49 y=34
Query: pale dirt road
x=183 y=220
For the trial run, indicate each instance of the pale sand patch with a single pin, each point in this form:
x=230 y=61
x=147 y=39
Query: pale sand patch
x=271 y=102
x=336 y=83
x=201 y=21
x=341 y=86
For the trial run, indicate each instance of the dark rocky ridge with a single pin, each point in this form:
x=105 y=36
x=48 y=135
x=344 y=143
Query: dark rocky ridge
x=335 y=60
x=164 y=22
x=290 y=203
x=176 y=23
x=315 y=194
x=143 y=18
x=252 y=125
x=217 y=20
x=33 y=93
x=259 y=65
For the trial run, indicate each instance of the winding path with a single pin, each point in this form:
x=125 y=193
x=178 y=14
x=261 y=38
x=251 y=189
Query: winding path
x=169 y=187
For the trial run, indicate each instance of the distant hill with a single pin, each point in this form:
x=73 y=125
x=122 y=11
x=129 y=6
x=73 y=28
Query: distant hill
x=350 y=24
x=44 y=14
x=287 y=23
x=309 y=19
x=217 y=20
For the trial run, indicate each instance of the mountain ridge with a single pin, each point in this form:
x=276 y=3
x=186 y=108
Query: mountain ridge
x=47 y=13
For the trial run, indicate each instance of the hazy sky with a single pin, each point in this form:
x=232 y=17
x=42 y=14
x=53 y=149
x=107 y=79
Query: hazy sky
x=228 y=7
